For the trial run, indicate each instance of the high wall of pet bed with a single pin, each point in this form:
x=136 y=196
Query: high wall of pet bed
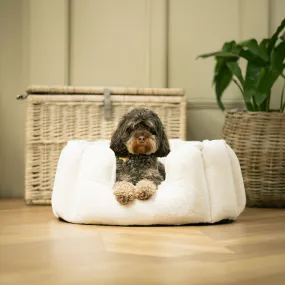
x=203 y=184
x=58 y=114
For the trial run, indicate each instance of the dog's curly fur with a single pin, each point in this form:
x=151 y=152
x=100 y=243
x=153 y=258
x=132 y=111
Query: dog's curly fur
x=139 y=139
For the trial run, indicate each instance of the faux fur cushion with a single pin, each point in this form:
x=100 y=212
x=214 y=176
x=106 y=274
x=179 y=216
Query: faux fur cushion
x=203 y=185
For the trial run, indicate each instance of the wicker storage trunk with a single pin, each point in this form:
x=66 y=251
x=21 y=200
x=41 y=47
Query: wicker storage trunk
x=59 y=114
x=258 y=139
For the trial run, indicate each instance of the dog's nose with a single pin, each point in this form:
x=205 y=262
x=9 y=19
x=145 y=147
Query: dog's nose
x=141 y=139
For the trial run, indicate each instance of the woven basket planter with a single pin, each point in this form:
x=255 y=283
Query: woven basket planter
x=59 y=114
x=258 y=138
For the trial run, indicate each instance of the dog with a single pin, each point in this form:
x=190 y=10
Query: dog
x=137 y=142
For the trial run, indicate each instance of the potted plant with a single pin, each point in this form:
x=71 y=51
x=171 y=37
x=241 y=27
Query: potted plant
x=257 y=134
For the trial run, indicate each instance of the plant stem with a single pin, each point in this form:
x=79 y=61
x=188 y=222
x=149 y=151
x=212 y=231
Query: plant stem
x=256 y=108
x=268 y=102
x=263 y=106
x=282 y=96
x=248 y=105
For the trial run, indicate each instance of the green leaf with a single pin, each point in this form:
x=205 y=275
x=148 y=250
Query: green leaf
x=231 y=47
x=225 y=52
x=283 y=37
x=222 y=81
x=274 y=38
x=260 y=98
x=246 y=54
x=252 y=77
x=274 y=71
x=235 y=69
x=264 y=45
x=278 y=57
x=219 y=54
x=228 y=46
x=255 y=49
x=219 y=63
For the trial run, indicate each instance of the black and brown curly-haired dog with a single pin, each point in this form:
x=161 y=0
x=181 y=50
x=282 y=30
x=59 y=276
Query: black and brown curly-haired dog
x=138 y=141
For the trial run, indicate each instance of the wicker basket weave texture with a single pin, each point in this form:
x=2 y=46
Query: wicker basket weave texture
x=258 y=138
x=59 y=114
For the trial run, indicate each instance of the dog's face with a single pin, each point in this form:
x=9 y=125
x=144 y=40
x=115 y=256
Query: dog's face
x=142 y=139
x=140 y=131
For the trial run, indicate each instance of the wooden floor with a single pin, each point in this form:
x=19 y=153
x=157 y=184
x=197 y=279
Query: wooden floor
x=36 y=248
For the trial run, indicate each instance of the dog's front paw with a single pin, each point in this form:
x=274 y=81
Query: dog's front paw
x=124 y=192
x=145 y=189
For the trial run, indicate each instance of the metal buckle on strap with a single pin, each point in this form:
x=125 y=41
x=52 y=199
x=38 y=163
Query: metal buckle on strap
x=107 y=104
x=22 y=97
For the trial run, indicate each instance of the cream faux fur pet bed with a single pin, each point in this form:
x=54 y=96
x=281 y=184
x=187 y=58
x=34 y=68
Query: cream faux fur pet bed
x=203 y=185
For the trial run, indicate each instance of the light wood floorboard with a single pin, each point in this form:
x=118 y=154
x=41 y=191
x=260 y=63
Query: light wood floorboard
x=36 y=248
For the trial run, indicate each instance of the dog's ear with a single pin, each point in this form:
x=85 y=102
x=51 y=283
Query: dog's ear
x=164 y=148
x=117 y=144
